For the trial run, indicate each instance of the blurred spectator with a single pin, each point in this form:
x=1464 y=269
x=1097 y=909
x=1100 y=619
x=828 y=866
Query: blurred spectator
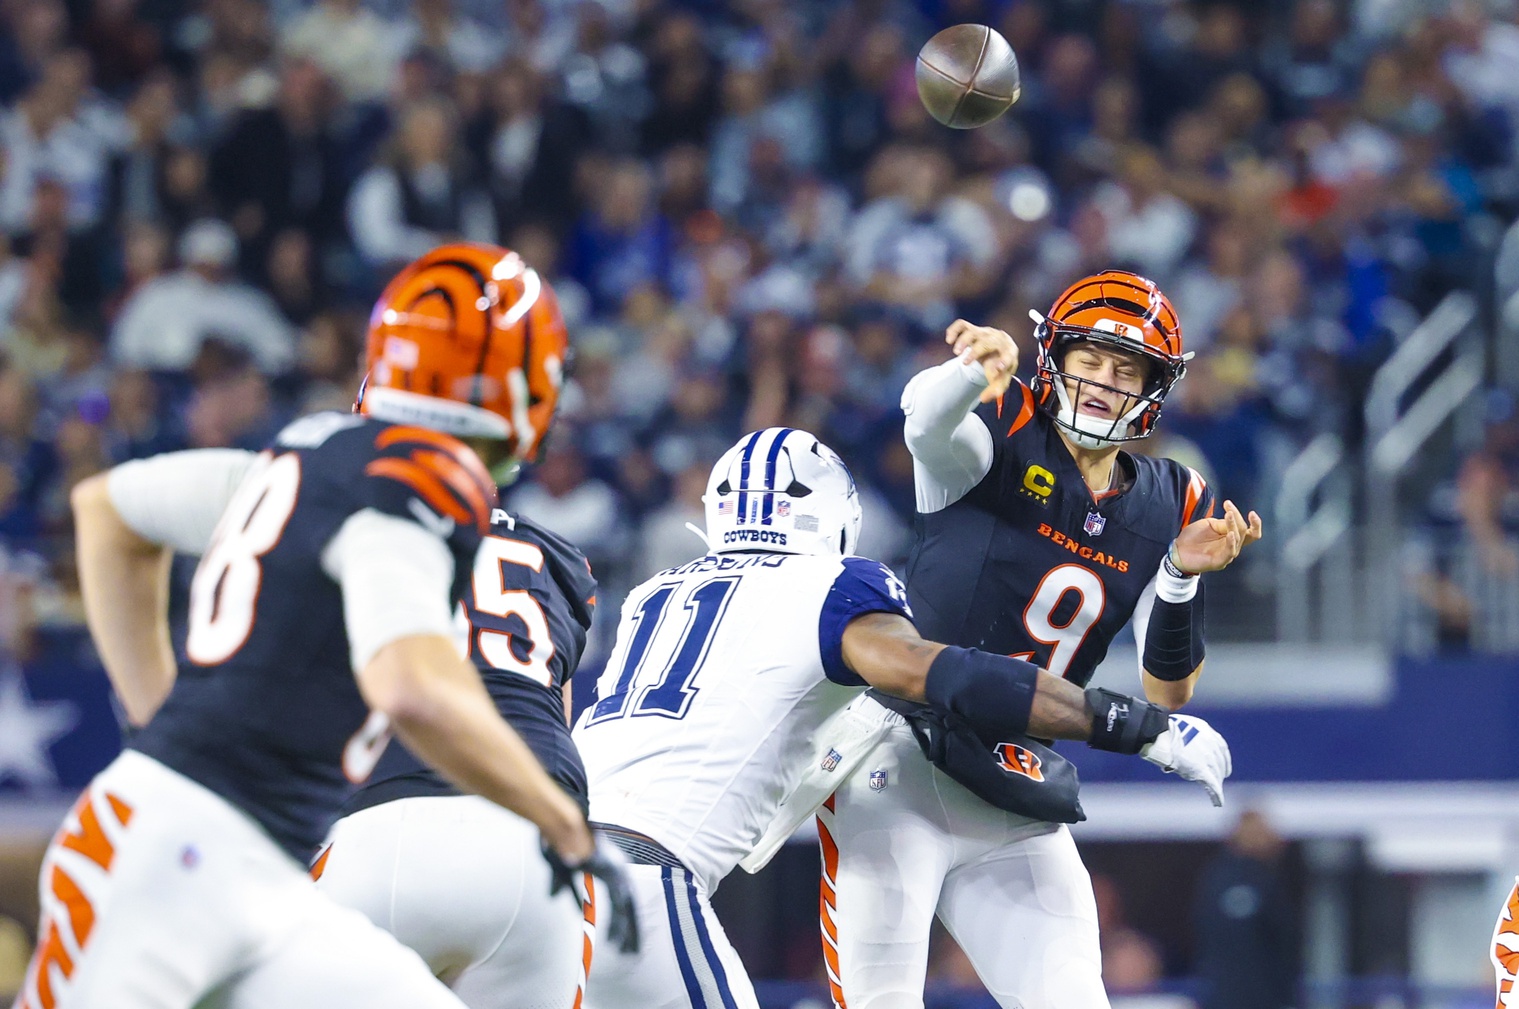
x=623 y=241
x=1246 y=935
x=1149 y=229
x=565 y=500
x=917 y=246
x=683 y=78
x=331 y=355
x=530 y=142
x=230 y=407
x=59 y=131
x=349 y=43
x=666 y=540
x=34 y=30
x=1131 y=960
x=163 y=326
x=422 y=194
x=278 y=167
x=436 y=28
x=27 y=462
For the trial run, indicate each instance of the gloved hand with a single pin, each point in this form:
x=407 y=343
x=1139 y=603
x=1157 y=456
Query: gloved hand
x=1193 y=749
x=608 y=865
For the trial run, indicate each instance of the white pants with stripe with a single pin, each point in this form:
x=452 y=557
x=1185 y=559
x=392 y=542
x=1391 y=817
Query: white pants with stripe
x=464 y=883
x=685 y=960
x=1012 y=891
x=159 y=894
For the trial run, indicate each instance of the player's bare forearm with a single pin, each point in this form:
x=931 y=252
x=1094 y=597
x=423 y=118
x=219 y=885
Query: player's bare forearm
x=1171 y=693
x=440 y=709
x=1060 y=710
x=886 y=651
x=124 y=580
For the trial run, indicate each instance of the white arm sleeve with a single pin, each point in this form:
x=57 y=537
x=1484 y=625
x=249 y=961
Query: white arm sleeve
x=177 y=498
x=1140 y=621
x=396 y=579
x=951 y=447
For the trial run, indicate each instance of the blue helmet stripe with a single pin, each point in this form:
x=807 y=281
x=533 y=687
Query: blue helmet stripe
x=743 y=477
x=771 y=458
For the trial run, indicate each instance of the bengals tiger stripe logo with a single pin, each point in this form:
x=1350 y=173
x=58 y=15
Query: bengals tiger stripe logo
x=1020 y=760
x=443 y=472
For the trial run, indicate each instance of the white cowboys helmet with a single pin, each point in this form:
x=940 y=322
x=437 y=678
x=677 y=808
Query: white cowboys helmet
x=781 y=490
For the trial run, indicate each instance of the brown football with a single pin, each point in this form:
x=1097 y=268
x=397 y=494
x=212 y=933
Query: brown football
x=967 y=76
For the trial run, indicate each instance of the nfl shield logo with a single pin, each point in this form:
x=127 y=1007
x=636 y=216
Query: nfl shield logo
x=1094 y=524
x=877 y=780
x=783 y=508
x=832 y=759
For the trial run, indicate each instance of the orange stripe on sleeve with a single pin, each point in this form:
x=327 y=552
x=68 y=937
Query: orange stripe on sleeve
x=81 y=912
x=320 y=865
x=90 y=840
x=121 y=809
x=1195 y=488
x=1025 y=409
x=51 y=954
x=425 y=482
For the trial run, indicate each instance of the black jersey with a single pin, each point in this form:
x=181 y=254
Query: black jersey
x=265 y=703
x=526 y=609
x=1030 y=563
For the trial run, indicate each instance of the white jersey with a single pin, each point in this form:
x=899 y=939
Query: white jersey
x=723 y=669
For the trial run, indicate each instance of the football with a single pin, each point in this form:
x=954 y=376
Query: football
x=967 y=76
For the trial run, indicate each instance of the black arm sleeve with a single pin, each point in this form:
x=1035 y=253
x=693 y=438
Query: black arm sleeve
x=1174 y=641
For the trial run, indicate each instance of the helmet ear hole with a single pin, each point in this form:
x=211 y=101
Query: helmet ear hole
x=798 y=489
x=725 y=488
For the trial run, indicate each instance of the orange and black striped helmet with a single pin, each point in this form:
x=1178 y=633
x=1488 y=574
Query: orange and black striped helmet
x=1116 y=309
x=467 y=340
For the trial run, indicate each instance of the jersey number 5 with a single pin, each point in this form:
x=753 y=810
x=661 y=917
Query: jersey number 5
x=224 y=592
x=492 y=597
x=1065 y=638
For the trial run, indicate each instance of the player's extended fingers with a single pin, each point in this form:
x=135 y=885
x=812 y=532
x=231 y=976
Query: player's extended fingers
x=954 y=335
x=1256 y=530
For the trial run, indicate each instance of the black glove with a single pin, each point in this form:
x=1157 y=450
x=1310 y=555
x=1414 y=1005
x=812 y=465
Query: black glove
x=608 y=865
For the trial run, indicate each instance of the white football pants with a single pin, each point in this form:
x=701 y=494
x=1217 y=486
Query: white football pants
x=158 y=894
x=464 y=883
x=685 y=960
x=1012 y=891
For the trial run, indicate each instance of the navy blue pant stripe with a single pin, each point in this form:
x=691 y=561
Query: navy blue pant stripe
x=743 y=477
x=706 y=946
x=677 y=935
x=771 y=458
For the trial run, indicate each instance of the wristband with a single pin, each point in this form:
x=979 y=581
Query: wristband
x=1124 y=724
x=1172 y=583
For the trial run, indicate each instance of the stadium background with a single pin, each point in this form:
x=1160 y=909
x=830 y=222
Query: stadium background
x=750 y=220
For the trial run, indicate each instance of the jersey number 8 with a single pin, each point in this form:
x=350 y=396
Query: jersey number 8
x=224 y=592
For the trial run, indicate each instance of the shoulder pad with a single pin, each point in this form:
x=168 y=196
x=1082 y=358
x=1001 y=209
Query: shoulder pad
x=426 y=471
x=566 y=564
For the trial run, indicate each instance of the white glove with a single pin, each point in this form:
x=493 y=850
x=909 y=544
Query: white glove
x=1193 y=749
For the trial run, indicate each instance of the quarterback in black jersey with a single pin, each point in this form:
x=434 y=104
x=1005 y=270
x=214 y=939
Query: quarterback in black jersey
x=320 y=622
x=1038 y=537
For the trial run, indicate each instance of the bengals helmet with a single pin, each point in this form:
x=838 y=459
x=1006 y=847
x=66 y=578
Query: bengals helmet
x=467 y=340
x=1114 y=309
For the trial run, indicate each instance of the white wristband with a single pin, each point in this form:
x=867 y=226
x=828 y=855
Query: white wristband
x=1173 y=585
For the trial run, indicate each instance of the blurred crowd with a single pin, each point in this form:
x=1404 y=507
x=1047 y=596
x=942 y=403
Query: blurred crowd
x=748 y=216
